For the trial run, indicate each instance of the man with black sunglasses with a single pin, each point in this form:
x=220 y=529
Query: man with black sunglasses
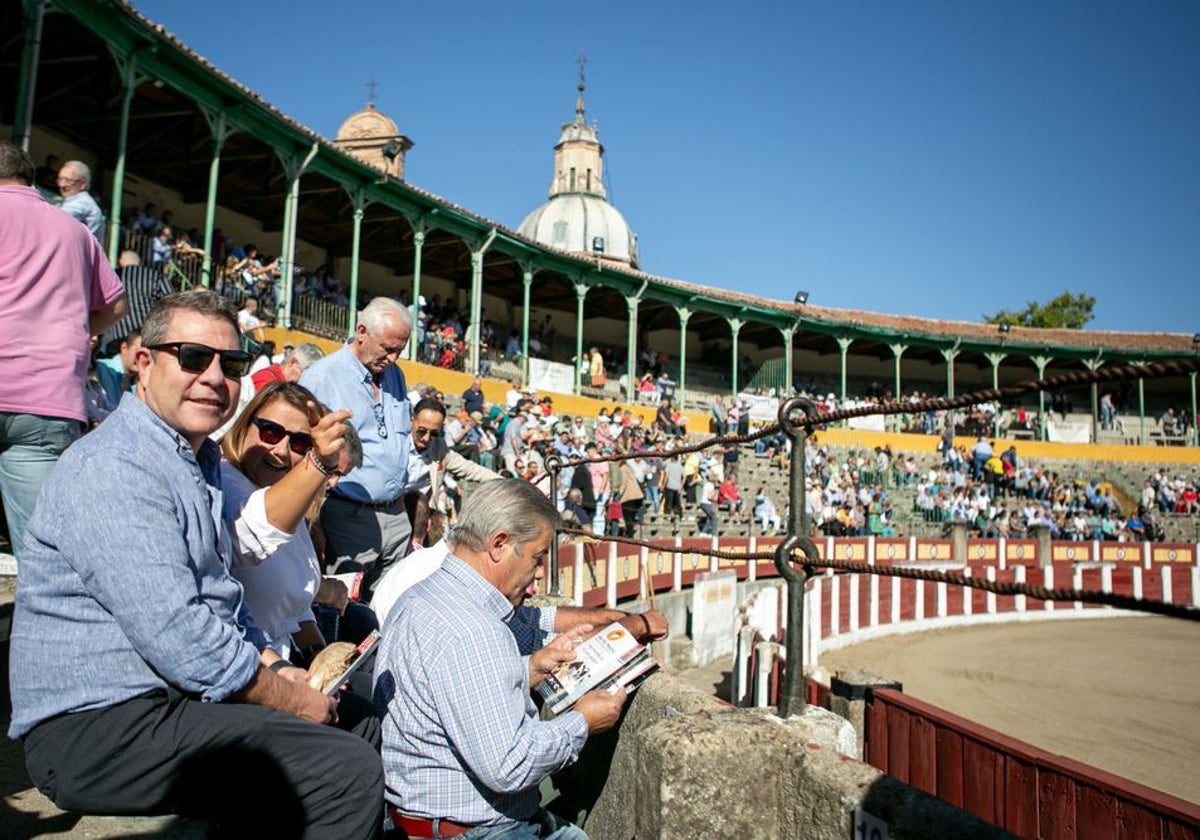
x=364 y=519
x=139 y=682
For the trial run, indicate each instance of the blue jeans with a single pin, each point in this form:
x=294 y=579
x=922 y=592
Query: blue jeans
x=652 y=498
x=29 y=449
x=541 y=826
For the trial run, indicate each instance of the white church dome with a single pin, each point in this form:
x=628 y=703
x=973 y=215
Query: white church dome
x=583 y=224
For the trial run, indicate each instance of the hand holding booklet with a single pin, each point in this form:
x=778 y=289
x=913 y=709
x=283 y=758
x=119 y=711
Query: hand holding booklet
x=612 y=658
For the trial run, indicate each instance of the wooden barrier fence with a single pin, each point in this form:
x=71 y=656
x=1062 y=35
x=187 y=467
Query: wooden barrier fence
x=1009 y=783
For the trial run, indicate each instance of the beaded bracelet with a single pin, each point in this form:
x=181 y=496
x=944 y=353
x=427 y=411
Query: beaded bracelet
x=316 y=462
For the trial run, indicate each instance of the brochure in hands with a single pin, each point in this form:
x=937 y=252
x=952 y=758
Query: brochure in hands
x=611 y=658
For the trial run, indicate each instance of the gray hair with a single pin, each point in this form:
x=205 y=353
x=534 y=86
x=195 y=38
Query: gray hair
x=157 y=326
x=80 y=170
x=376 y=313
x=506 y=504
x=305 y=354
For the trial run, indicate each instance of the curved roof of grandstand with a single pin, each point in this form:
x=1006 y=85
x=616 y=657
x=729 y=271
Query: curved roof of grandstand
x=190 y=93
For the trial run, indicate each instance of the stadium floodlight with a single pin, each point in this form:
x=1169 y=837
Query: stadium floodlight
x=1196 y=339
x=391 y=150
x=1004 y=328
x=801 y=298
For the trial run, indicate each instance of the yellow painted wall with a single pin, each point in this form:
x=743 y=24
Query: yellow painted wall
x=453 y=382
x=1029 y=449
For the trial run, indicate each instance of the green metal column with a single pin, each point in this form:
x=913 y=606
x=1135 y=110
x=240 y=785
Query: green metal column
x=581 y=291
x=527 y=281
x=843 y=346
x=631 y=303
x=897 y=351
x=788 y=333
x=1195 y=425
x=476 y=327
x=219 y=125
x=358 y=200
x=27 y=79
x=735 y=327
x=292 y=215
x=1043 y=431
x=293 y=169
x=1092 y=365
x=1141 y=411
x=950 y=354
x=418 y=247
x=995 y=359
x=281 y=307
x=127 y=65
x=685 y=315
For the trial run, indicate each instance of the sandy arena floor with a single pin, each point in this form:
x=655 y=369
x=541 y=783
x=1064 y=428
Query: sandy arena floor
x=1121 y=694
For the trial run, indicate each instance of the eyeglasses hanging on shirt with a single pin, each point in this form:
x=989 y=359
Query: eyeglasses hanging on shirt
x=382 y=427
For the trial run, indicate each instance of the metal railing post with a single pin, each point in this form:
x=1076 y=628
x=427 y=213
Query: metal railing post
x=554 y=466
x=791 y=698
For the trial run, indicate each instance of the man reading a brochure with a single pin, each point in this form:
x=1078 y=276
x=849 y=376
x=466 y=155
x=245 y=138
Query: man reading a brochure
x=463 y=747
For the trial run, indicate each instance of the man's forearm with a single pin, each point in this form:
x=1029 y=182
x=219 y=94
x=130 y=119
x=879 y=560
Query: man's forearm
x=646 y=626
x=267 y=688
x=101 y=319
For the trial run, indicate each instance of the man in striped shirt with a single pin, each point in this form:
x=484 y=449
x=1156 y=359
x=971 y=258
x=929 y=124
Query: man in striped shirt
x=463 y=747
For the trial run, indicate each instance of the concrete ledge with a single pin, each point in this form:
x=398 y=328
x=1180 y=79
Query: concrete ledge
x=683 y=765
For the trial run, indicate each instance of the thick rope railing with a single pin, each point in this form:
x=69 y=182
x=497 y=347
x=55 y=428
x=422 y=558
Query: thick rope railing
x=797 y=549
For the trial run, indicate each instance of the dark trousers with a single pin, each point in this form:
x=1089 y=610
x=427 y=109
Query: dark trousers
x=253 y=771
x=671 y=503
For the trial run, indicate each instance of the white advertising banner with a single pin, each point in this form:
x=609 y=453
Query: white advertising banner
x=551 y=376
x=872 y=422
x=1060 y=432
x=762 y=409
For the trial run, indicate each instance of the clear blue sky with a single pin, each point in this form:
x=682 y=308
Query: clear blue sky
x=941 y=159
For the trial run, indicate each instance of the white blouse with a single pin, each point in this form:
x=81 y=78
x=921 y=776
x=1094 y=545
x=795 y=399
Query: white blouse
x=278 y=571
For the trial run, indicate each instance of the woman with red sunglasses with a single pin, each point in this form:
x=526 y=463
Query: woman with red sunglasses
x=281 y=454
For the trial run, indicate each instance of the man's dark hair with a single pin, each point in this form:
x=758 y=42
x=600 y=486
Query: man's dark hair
x=429 y=404
x=157 y=326
x=16 y=164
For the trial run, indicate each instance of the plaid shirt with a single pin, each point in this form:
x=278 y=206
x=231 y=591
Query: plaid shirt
x=461 y=735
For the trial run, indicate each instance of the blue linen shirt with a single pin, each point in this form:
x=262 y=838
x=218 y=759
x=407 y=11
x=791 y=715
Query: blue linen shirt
x=341 y=381
x=117 y=600
x=461 y=735
x=84 y=208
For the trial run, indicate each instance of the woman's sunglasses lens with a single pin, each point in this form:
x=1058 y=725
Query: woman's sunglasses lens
x=271 y=433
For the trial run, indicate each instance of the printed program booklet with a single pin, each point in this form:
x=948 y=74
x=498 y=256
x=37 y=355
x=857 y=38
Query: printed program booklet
x=612 y=657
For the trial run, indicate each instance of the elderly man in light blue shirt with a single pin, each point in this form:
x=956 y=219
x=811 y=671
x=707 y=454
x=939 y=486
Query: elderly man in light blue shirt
x=463 y=747
x=365 y=523
x=74 y=179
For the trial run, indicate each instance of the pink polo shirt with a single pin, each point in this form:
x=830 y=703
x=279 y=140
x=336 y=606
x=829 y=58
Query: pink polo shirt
x=52 y=276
